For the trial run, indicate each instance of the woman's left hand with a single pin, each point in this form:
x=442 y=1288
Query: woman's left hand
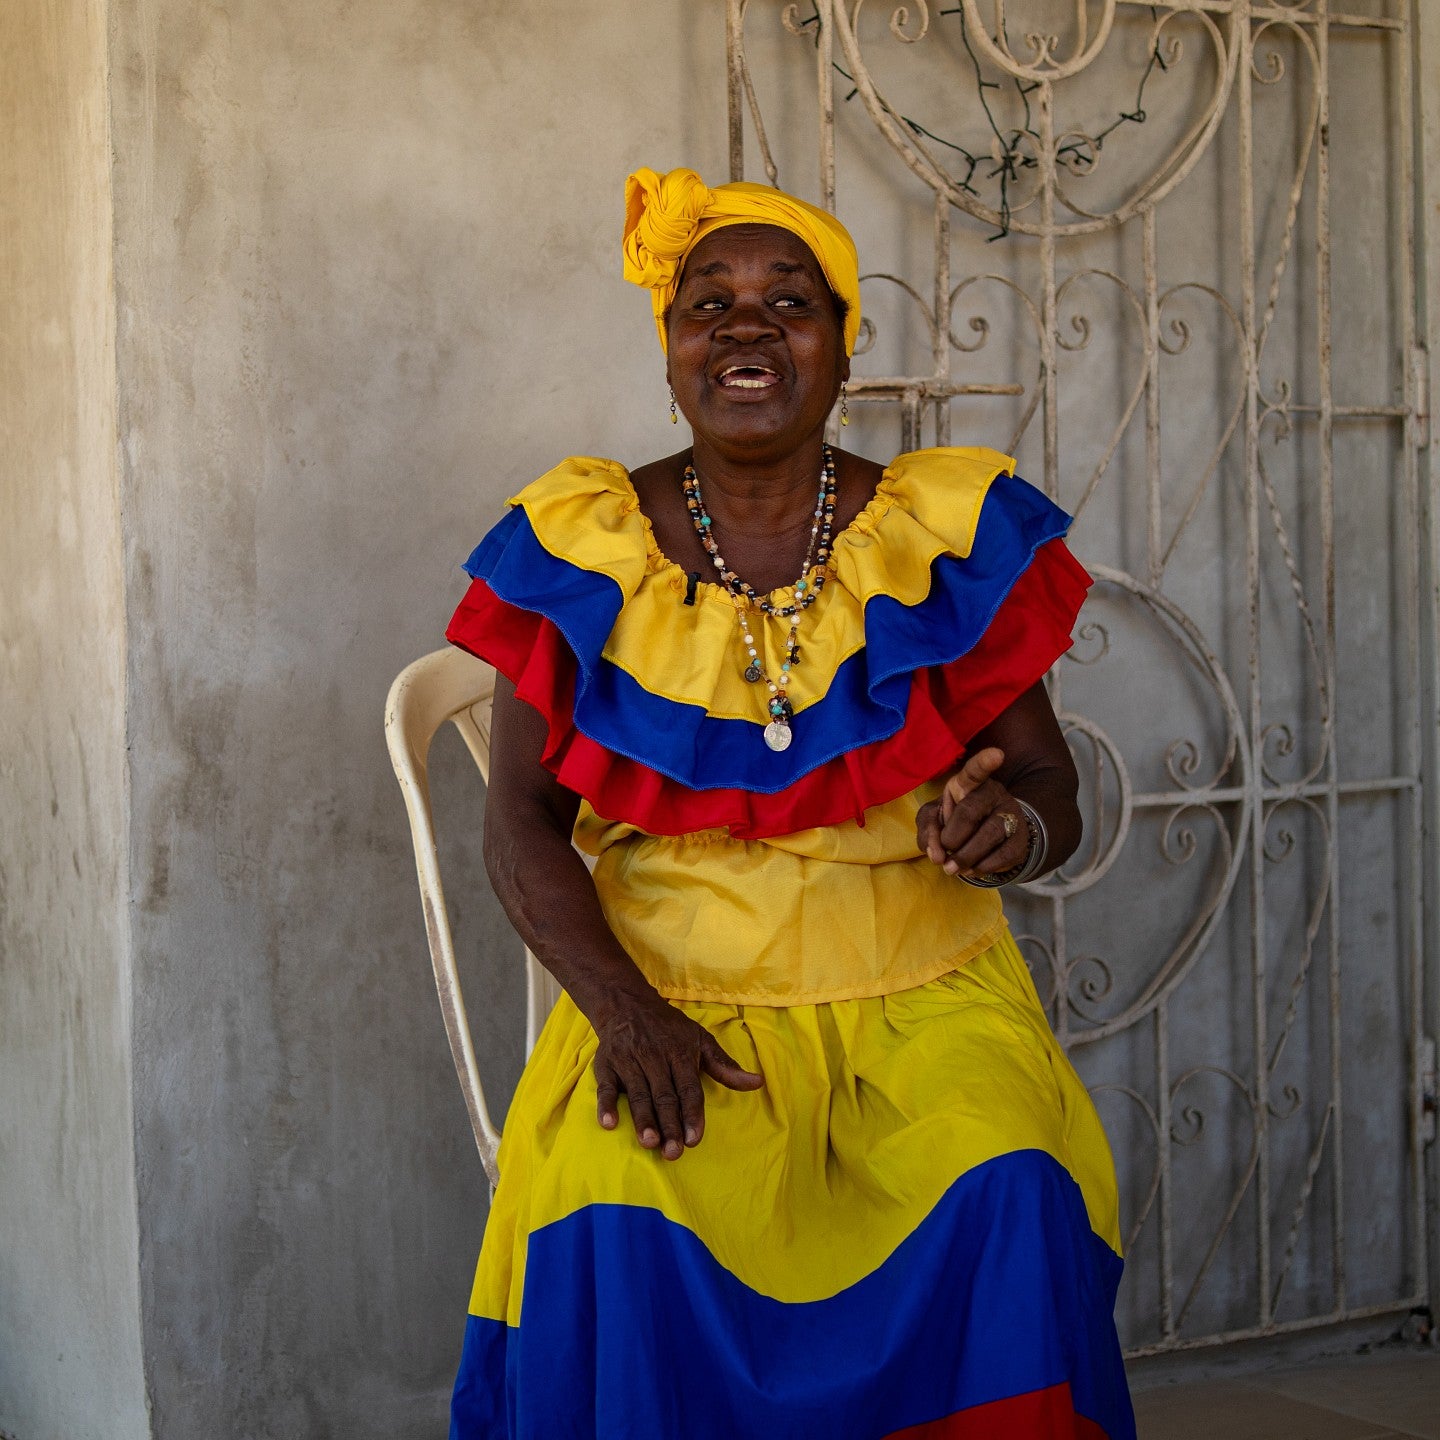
x=965 y=830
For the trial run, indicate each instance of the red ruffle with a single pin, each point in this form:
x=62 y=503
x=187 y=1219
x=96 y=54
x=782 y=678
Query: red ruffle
x=948 y=705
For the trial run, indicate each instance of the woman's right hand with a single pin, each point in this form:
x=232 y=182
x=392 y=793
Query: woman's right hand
x=656 y=1054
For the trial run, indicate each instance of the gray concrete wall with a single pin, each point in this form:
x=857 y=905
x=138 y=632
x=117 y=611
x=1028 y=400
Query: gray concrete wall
x=368 y=277
x=69 y=1307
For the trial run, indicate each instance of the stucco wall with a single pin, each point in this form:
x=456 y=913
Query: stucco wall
x=69 y=1309
x=361 y=299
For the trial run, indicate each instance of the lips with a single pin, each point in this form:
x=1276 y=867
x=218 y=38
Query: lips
x=748 y=377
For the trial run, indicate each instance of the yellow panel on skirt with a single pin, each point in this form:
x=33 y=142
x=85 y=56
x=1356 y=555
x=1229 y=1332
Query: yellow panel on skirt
x=871 y=1110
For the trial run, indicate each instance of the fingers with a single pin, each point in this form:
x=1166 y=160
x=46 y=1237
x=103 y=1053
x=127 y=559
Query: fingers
x=969 y=814
x=979 y=829
x=977 y=769
x=668 y=1114
x=642 y=1107
x=659 y=1072
x=668 y=1111
x=719 y=1066
x=989 y=849
x=655 y=1108
x=927 y=832
x=607 y=1095
x=692 y=1105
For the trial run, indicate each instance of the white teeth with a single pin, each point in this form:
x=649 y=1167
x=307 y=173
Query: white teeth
x=748 y=377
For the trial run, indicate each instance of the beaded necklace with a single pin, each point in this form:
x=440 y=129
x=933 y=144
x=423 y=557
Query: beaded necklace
x=778 y=734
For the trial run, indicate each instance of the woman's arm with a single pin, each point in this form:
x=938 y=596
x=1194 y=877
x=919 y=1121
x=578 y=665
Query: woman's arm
x=1021 y=755
x=651 y=1051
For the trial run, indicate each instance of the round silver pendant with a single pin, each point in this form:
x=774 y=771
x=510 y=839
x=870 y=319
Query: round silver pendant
x=778 y=735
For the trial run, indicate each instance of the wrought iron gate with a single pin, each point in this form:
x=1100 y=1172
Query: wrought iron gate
x=1234 y=961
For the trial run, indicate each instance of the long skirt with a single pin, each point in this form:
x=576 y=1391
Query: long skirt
x=910 y=1231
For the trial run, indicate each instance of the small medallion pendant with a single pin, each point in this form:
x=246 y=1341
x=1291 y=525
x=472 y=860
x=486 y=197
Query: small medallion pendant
x=778 y=735
x=752 y=674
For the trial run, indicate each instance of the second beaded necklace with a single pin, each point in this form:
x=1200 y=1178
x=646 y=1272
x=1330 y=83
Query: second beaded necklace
x=778 y=734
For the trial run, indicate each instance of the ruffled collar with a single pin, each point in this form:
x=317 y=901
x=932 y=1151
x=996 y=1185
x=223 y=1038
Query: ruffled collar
x=922 y=575
x=926 y=502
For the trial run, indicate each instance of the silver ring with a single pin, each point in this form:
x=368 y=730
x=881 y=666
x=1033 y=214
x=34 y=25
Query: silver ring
x=1034 y=861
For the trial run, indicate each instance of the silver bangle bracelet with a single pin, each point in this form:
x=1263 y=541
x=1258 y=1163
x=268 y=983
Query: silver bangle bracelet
x=1034 y=861
x=1039 y=844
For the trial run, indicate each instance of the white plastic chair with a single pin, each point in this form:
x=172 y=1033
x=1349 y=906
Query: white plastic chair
x=451 y=685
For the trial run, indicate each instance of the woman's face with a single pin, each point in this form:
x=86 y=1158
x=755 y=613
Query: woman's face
x=756 y=349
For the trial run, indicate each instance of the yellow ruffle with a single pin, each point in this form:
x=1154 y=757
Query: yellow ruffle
x=586 y=512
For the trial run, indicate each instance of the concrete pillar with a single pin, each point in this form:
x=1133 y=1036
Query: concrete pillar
x=69 y=1283
x=1426 y=59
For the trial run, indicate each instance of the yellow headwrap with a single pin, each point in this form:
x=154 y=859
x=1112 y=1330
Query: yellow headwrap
x=666 y=216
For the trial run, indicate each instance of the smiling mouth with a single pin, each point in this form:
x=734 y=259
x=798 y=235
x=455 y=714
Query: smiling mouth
x=748 y=377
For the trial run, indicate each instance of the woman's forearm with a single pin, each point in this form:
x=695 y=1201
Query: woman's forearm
x=546 y=890
x=1051 y=793
x=647 y=1050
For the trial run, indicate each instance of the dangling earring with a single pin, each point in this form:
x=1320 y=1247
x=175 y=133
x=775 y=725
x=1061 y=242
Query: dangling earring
x=844 y=405
x=674 y=417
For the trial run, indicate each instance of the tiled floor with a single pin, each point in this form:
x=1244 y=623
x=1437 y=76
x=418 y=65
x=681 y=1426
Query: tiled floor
x=1390 y=1394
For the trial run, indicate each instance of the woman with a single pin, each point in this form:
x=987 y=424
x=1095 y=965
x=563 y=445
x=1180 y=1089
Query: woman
x=797 y=1154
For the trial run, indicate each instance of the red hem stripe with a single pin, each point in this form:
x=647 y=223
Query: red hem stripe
x=1039 y=1415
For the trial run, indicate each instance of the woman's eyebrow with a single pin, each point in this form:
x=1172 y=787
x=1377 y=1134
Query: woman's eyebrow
x=780 y=267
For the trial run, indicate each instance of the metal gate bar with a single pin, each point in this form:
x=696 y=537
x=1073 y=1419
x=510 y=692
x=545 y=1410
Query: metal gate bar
x=1245 y=787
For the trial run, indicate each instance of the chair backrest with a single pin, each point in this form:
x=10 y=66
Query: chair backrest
x=451 y=685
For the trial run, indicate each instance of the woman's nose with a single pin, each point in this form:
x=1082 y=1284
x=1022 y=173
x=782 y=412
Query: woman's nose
x=747 y=321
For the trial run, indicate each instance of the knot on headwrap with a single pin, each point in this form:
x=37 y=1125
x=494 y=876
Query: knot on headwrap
x=666 y=216
x=661 y=213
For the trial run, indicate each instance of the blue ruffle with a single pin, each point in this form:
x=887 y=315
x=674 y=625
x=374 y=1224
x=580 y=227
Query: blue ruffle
x=867 y=698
